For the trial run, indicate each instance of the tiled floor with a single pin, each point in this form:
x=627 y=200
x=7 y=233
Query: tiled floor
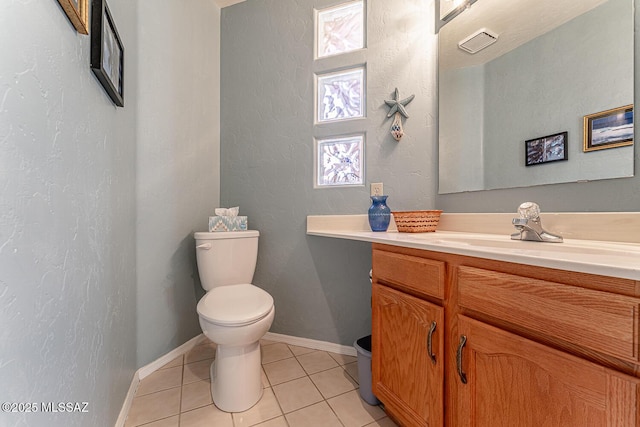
x=303 y=387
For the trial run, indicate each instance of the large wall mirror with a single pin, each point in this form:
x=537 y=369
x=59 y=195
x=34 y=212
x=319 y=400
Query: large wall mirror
x=553 y=63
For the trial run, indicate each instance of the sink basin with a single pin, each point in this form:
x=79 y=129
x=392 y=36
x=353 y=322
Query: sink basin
x=568 y=249
x=598 y=257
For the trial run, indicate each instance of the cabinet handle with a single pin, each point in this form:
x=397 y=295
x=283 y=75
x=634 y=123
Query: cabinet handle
x=432 y=329
x=463 y=376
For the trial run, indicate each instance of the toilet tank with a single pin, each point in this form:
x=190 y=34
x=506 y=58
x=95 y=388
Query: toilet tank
x=226 y=258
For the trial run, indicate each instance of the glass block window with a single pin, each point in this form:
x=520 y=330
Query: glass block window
x=340 y=161
x=340 y=29
x=340 y=95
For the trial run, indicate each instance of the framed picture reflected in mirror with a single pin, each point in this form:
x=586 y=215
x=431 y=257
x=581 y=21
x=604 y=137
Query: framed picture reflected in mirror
x=608 y=129
x=551 y=148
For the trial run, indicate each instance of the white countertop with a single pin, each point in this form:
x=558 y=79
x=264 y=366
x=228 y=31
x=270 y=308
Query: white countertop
x=615 y=259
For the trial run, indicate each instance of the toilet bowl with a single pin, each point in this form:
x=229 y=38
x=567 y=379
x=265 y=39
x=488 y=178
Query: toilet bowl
x=234 y=314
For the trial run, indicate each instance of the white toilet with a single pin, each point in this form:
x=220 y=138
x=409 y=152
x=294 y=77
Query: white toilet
x=234 y=314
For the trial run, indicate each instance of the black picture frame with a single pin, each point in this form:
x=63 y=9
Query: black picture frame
x=107 y=52
x=547 y=149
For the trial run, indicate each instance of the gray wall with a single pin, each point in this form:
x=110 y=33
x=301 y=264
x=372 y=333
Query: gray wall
x=541 y=88
x=178 y=165
x=597 y=196
x=77 y=319
x=320 y=286
x=461 y=136
x=67 y=218
x=529 y=95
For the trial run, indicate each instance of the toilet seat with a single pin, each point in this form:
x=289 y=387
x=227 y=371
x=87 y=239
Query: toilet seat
x=235 y=305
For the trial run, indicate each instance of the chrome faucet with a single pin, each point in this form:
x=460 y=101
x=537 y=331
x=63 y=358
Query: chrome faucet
x=529 y=225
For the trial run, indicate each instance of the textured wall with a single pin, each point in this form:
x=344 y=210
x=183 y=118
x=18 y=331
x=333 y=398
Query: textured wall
x=460 y=139
x=320 y=286
x=529 y=94
x=67 y=218
x=178 y=165
x=613 y=195
x=566 y=86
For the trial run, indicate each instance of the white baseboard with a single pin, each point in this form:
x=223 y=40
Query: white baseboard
x=147 y=370
x=124 y=411
x=314 y=344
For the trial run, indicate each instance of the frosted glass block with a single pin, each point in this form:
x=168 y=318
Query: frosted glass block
x=340 y=161
x=340 y=29
x=341 y=95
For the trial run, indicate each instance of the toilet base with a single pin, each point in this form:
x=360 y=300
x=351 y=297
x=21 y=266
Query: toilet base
x=236 y=377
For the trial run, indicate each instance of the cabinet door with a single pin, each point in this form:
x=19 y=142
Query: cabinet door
x=407 y=378
x=512 y=381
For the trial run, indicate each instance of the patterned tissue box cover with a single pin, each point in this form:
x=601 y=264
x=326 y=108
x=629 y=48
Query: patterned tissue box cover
x=227 y=223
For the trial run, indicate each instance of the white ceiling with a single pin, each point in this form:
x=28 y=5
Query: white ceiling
x=515 y=21
x=225 y=3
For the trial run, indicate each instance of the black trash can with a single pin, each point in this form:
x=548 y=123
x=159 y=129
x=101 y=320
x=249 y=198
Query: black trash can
x=363 y=347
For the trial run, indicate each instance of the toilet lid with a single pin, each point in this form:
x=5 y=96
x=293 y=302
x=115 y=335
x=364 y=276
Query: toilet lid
x=235 y=305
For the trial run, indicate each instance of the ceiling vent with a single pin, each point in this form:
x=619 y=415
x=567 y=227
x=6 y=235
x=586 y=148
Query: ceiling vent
x=478 y=41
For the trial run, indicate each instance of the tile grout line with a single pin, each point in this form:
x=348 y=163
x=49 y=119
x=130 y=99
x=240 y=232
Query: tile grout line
x=324 y=399
x=272 y=391
x=308 y=375
x=270 y=385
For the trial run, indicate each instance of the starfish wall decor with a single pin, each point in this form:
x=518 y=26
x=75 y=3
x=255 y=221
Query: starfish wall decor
x=396 y=109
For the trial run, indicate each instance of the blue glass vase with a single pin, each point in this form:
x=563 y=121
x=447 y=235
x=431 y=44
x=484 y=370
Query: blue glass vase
x=379 y=214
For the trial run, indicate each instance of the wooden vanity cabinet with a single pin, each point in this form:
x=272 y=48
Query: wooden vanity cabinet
x=515 y=345
x=514 y=381
x=408 y=366
x=408 y=338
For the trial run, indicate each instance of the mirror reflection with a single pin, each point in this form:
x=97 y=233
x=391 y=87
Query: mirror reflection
x=547 y=65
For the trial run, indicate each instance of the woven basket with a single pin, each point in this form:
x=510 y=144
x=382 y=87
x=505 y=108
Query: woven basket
x=417 y=221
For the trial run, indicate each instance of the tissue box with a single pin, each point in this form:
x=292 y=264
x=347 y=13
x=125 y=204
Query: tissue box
x=227 y=223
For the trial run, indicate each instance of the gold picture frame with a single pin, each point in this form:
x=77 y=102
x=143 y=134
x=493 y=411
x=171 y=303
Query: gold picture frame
x=78 y=13
x=608 y=129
